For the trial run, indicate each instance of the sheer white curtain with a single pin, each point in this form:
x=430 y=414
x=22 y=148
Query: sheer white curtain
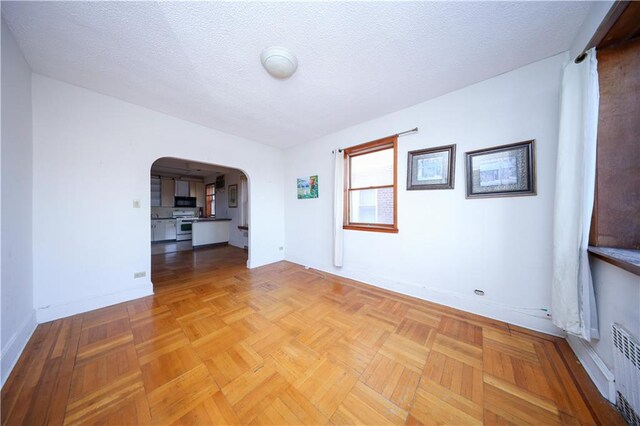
x=572 y=297
x=338 y=207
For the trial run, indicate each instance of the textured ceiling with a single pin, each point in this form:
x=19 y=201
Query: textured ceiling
x=201 y=61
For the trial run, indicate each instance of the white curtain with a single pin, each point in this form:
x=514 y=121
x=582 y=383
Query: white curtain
x=572 y=297
x=338 y=207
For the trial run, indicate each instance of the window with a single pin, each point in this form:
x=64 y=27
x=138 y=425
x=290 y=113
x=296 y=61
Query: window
x=210 y=202
x=370 y=188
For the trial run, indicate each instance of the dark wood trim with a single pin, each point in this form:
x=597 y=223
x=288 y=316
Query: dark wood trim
x=607 y=23
x=624 y=29
x=616 y=261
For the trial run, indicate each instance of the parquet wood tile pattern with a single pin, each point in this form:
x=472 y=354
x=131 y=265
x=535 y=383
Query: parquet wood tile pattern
x=221 y=344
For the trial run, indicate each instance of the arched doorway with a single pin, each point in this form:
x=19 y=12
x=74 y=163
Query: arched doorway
x=195 y=208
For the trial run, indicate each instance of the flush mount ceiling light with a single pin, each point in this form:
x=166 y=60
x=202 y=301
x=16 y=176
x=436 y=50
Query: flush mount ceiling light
x=279 y=62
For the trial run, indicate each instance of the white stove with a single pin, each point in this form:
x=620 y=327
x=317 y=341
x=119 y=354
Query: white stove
x=184 y=220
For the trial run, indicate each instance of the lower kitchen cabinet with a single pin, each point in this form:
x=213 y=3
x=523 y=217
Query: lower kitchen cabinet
x=162 y=230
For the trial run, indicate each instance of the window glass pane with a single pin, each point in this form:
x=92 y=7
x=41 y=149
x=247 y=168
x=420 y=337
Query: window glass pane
x=375 y=169
x=373 y=206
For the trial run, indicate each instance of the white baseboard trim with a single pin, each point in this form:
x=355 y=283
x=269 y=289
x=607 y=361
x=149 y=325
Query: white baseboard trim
x=15 y=345
x=594 y=366
x=488 y=309
x=51 y=313
x=236 y=243
x=256 y=263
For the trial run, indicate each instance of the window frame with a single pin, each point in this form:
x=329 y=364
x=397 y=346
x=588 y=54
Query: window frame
x=207 y=201
x=363 y=149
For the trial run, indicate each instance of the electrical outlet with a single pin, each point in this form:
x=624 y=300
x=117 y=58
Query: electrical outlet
x=139 y=274
x=136 y=204
x=280 y=248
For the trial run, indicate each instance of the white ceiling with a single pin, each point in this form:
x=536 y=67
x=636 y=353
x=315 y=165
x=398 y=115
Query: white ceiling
x=357 y=61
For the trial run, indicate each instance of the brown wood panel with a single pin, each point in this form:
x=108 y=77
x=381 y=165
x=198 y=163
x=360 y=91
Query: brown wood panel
x=616 y=219
x=625 y=28
x=220 y=344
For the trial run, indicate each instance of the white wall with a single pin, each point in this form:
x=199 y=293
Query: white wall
x=237 y=237
x=18 y=316
x=448 y=246
x=92 y=157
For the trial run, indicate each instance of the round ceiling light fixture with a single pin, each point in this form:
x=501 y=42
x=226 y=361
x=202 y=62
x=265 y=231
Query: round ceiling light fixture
x=279 y=62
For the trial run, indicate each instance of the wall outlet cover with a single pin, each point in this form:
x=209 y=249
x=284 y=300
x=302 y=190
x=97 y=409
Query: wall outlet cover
x=139 y=274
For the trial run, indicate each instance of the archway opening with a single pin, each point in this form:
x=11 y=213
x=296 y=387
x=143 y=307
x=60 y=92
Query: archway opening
x=199 y=216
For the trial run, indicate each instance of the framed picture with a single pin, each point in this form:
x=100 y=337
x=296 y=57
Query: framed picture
x=431 y=168
x=308 y=187
x=502 y=171
x=233 y=196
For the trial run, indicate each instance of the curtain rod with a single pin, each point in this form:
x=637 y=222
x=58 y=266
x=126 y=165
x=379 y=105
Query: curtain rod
x=406 y=132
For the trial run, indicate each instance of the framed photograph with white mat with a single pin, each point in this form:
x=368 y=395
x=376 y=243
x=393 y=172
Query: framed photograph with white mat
x=502 y=171
x=431 y=168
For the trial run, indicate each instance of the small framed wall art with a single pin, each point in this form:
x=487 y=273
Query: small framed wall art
x=431 y=168
x=233 y=196
x=308 y=187
x=502 y=171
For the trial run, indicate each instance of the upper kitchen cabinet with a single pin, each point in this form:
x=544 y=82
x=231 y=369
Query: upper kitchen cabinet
x=196 y=189
x=156 y=192
x=182 y=188
x=167 y=192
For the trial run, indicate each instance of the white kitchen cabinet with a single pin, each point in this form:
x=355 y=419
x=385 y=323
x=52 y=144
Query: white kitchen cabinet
x=199 y=193
x=155 y=230
x=156 y=192
x=182 y=188
x=167 y=192
x=169 y=229
x=162 y=230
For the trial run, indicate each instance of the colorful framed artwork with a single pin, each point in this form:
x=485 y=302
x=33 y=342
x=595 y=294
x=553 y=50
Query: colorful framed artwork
x=308 y=187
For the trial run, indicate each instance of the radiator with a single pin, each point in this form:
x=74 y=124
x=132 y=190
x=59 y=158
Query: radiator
x=626 y=362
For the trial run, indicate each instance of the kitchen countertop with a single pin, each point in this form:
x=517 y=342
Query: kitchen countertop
x=197 y=219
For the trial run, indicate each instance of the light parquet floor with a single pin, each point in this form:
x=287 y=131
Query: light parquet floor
x=220 y=344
